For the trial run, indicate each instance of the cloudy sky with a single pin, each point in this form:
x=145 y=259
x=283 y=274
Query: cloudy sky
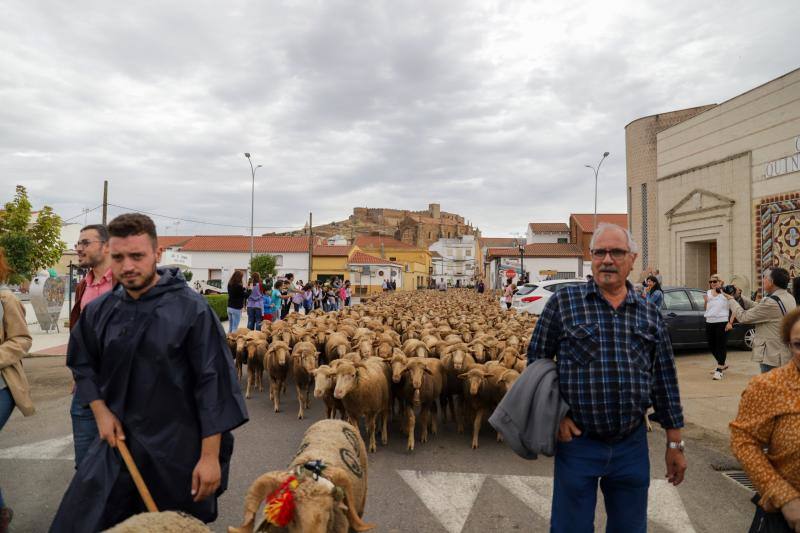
x=491 y=108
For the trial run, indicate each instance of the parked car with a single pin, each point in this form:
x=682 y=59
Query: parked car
x=212 y=286
x=531 y=297
x=683 y=312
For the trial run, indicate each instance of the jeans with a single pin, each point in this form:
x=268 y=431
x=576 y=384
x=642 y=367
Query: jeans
x=253 y=318
x=717 y=339
x=6 y=408
x=623 y=469
x=84 y=429
x=765 y=368
x=234 y=317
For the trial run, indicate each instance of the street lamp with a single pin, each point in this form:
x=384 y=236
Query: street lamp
x=521 y=246
x=596 y=172
x=252 y=203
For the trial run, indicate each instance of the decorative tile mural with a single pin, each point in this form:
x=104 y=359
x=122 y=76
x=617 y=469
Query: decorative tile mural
x=779 y=233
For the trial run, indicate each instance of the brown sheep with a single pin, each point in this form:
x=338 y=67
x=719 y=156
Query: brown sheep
x=305 y=358
x=332 y=503
x=336 y=345
x=423 y=381
x=364 y=391
x=415 y=348
x=324 y=383
x=278 y=357
x=255 y=346
x=163 y=522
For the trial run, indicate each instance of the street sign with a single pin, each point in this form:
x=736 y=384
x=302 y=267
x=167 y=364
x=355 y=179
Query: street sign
x=510 y=273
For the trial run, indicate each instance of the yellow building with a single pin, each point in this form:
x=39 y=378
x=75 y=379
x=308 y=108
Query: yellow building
x=416 y=262
x=328 y=262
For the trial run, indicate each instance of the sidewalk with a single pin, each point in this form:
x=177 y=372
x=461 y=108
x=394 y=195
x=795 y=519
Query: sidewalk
x=708 y=405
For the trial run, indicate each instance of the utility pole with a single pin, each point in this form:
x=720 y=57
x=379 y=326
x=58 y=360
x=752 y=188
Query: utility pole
x=310 y=245
x=105 y=202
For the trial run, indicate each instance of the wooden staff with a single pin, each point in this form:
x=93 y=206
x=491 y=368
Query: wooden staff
x=137 y=477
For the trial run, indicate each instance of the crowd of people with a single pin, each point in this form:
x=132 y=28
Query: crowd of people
x=273 y=300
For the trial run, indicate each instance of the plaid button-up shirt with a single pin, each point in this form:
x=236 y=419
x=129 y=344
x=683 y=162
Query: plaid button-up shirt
x=612 y=363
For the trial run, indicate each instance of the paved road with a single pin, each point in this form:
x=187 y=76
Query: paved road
x=443 y=486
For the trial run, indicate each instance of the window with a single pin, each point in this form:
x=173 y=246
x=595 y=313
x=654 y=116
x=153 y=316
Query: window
x=698 y=300
x=562 y=240
x=392 y=259
x=278 y=260
x=469 y=253
x=214 y=273
x=677 y=301
x=526 y=289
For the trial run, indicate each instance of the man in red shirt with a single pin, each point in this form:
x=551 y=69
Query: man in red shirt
x=93 y=254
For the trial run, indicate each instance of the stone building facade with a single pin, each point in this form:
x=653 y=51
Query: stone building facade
x=640 y=161
x=727 y=189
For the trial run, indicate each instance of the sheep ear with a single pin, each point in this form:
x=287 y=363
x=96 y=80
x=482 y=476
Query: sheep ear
x=428 y=370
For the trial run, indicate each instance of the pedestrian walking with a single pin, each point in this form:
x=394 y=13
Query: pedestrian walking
x=441 y=285
x=308 y=298
x=717 y=316
x=317 y=294
x=614 y=357
x=93 y=255
x=279 y=296
x=508 y=293
x=255 y=302
x=766 y=315
x=237 y=295
x=659 y=277
x=15 y=341
x=348 y=293
x=653 y=292
x=481 y=287
x=151 y=359
x=765 y=434
x=268 y=311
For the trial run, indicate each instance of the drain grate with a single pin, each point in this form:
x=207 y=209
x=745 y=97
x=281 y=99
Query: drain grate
x=741 y=478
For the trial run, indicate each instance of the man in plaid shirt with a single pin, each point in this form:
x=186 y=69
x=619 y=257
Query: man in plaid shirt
x=614 y=360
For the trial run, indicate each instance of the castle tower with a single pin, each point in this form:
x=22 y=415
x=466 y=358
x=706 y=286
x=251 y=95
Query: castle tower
x=435 y=210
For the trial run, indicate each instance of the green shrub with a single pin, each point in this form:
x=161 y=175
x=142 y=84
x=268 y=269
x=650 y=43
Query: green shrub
x=219 y=304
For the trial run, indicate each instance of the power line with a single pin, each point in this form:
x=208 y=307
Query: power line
x=193 y=221
x=82 y=213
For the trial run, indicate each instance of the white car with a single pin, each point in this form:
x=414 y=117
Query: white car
x=531 y=297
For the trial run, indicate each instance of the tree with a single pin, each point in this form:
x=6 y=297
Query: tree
x=188 y=275
x=29 y=247
x=264 y=265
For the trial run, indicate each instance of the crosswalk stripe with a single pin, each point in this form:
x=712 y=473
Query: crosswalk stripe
x=58 y=448
x=449 y=496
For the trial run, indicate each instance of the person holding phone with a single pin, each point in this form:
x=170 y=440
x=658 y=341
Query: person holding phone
x=716 y=315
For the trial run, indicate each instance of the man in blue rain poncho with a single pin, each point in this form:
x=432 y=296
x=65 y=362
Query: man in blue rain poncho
x=150 y=358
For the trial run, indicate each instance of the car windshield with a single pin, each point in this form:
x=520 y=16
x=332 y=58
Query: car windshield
x=526 y=289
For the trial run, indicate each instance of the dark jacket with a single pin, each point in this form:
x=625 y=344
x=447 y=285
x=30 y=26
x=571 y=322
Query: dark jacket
x=75 y=312
x=529 y=414
x=162 y=365
x=237 y=294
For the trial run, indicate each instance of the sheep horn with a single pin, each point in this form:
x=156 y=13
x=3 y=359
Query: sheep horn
x=341 y=479
x=263 y=485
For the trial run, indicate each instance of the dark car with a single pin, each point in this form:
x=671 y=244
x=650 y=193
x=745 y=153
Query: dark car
x=683 y=312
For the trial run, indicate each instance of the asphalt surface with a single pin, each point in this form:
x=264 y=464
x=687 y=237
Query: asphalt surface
x=443 y=486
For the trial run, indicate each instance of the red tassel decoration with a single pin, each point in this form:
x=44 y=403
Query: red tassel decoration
x=280 y=504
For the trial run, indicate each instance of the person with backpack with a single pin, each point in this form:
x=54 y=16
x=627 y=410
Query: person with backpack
x=769 y=351
x=255 y=302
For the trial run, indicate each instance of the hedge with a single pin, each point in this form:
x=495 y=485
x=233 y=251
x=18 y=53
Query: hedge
x=219 y=304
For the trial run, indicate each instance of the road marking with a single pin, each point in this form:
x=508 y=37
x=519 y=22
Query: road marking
x=449 y=496
x=58 y=448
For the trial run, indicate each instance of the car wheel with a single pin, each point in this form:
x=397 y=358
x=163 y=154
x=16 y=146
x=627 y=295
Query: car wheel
x=749 y=335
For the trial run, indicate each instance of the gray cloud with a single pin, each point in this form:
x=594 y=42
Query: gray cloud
x=489 y=108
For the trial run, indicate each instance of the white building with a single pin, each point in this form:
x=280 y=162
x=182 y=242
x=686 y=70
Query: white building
x=217 y=257
x=540 y=261
x=544 y=232
x=454 y=260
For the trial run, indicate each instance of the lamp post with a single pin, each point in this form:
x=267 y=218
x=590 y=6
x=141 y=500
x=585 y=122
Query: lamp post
x=252 y=203
x=596 y=172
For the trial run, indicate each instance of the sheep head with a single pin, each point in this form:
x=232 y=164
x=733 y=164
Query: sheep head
x=398 y=363
x=416 y=369
x=478 y=351
x=308 y=355
x=475 y=377
x=346 y=379
x=458 y=352
x=324 y=380
x=280 y=351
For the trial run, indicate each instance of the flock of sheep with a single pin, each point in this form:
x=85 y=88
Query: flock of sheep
x=402 y=356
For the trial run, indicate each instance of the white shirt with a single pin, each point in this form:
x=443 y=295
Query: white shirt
x=717 y=309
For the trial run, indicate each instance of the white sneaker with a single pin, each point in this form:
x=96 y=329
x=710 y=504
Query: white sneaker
x=717 y=375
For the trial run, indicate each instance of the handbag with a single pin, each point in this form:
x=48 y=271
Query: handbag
x=764 y=522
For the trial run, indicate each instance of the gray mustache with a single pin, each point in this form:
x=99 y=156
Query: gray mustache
x=609 y=269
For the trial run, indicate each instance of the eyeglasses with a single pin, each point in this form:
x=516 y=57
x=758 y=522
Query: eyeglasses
x=615 y=253
x=86 y=242
x=795 y=345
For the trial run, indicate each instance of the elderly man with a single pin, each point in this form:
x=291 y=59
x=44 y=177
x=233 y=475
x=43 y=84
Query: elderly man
x=769 y=351
x=614 y=355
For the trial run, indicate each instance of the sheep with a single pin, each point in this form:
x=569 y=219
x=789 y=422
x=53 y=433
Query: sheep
x=277 y=363
x=422 y=386
x=324 y=383
x=415 y=348
x=333 y=501
x=237 y=347
x=481 y=395
x=460 y=355
x=336 y=345
x=255 y=346
x=364 y=390
x=304 y=362
x=363 y=345
x=163 y=522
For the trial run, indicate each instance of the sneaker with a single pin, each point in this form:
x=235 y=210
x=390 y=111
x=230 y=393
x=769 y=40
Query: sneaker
x=6 y=514
x=717 y=375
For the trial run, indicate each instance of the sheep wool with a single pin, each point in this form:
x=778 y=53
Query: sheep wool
x=163 y=522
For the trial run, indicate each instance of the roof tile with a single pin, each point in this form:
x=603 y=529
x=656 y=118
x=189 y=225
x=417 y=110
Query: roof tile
x=586 y=220
x=360 y=258
x=539 y=249
x=241 y=243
